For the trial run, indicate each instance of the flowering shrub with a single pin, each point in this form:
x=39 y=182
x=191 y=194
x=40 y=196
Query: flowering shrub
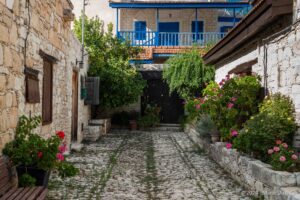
x=275 y=121
x=231 y=102
x=282 y=156
x=31 y=150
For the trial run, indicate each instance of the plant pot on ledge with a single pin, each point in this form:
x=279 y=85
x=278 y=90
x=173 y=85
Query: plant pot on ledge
x=41 y=176
x=215 y=136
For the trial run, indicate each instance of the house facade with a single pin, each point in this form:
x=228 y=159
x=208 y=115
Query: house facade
x=166 y=27
x=268 y=46
x=39 y=69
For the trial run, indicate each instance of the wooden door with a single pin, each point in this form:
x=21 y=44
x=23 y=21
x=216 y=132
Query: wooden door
x=157 y=92
x=74 y=106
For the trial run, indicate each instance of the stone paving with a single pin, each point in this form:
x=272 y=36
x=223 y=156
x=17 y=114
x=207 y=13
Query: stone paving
x=145 y=165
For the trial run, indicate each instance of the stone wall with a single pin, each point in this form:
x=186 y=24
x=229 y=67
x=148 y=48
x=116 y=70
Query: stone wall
x=253 y=174
x=283 y=60
x=51 y=33
x=183 y=16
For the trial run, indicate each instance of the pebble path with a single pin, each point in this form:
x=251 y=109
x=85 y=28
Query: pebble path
x=145 y=165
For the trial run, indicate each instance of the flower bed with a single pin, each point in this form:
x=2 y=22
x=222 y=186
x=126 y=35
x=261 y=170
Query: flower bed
x=251 y=173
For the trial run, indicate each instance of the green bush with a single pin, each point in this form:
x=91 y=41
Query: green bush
x=120 y=83
x=231 y=103
x=205 y=126
x=120 y=118
x=186 y=73
x=282 y=157
x=275 y=121
x=151 y=117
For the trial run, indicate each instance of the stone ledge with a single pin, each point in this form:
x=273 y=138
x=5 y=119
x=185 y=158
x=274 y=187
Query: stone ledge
x=251 y=173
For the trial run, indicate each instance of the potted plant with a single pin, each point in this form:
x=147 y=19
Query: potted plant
x=133 y=116
x=151 y=117
x=35 y=157
x=215 y=136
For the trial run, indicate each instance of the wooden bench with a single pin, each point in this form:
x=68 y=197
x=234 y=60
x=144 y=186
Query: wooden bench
x=8 y=190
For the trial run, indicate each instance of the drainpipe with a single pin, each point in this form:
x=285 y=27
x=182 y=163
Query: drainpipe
x=82 y=33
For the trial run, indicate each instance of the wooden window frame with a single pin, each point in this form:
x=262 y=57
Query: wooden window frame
x=47 y=121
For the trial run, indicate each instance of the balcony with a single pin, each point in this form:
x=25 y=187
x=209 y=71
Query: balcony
x=152 y=38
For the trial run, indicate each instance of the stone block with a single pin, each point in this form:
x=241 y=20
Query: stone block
x=13 y=118
x=7 y=57
x=1 y=55
x=296 y=89
x=2 y=82
x=9 y=100
x=4 y=34
x=2 y=102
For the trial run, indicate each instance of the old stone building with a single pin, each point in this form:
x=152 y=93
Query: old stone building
x=267 y=43
x=40 y=72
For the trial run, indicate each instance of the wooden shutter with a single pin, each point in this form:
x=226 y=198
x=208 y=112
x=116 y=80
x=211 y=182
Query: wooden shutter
x=32 y=86
x=47 y=92
x=92 y=86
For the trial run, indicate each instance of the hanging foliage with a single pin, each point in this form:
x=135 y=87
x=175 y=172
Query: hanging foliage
x=187 y=74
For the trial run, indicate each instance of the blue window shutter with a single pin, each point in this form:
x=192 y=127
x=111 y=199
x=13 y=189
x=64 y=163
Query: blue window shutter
x=140 y=30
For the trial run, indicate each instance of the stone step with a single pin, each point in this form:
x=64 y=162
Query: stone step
x=76 y=146
x=170 y=125
x=92 y=133
x=167 y=128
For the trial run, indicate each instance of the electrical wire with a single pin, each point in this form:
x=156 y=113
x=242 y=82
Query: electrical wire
x=27 y=32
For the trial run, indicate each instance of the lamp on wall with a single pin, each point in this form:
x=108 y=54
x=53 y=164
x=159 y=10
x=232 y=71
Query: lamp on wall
x=80 y=62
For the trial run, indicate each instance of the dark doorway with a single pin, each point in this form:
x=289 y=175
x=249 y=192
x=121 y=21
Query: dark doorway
x=157 y=93
x=74 y=106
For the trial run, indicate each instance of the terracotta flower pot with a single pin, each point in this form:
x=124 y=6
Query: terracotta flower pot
x=133 y=125
x=215 y=136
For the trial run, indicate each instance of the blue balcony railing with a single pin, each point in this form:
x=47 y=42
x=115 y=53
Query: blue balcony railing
x=152 y=38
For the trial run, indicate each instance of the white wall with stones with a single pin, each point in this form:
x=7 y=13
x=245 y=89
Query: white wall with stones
x=283 y=63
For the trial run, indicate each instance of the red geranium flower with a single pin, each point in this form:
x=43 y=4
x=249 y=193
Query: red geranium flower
x=40 y=154
x=61 y=135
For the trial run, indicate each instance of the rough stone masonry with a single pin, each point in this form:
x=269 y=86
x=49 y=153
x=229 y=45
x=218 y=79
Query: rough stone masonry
x=43 y=24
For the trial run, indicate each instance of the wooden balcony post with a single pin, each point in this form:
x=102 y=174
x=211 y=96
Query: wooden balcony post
x=157 y=27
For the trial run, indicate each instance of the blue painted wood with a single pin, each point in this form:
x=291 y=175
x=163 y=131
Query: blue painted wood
x=197 y=28
x=140 y=29
x=182 y=5
x=117 y=25
x=228 y=19
x=169 y=38
x=168 y=33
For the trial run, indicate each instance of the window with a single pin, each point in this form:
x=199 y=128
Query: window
x=140 y=30
x=47 y=92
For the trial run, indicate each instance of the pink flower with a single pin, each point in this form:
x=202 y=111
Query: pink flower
x=221 y=83
x=230 y=105
x=234 y=133
x=198 y=106
x=294 y=157
x=62 y=148
x=270 y=151
x=276 y=149
x=285 y=145
x=278 y=142
x=233 y=99
x=228 y=145
x=282 y=158
x=202 y=101
x=60 y=156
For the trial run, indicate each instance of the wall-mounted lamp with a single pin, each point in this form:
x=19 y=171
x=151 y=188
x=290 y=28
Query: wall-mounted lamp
x=80 y=62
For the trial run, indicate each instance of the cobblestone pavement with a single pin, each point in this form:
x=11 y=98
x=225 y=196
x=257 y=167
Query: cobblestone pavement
x=145 y=165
